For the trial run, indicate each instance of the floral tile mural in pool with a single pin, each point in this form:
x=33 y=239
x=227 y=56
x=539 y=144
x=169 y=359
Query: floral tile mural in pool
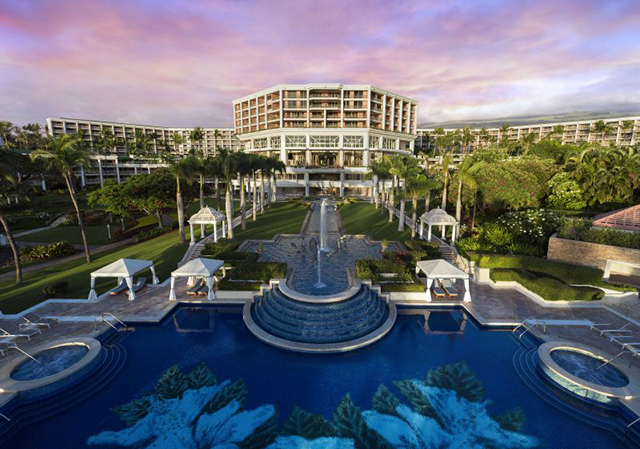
x=447 y=409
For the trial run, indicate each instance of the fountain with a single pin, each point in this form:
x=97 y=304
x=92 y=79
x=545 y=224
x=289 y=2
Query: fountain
x=323 y=226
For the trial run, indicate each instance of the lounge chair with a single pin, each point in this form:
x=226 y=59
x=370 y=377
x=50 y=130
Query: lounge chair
x=27 y=333
x=32 y=318
x=438 y=291
x=449 y=289
x=199 y=284
x=139 y=285
x=120 y=288
x=622 y=330
x=5 y=346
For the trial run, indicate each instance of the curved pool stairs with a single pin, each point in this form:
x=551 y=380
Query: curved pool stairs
x=613 y=418
x=24 y=411
x=341 y=325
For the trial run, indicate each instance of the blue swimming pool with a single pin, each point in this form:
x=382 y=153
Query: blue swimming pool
x=436 y=379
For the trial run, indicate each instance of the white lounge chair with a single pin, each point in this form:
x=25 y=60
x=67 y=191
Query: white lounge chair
x=26 y=333
x=623 y=329
x=5 y=346
x=36 y=320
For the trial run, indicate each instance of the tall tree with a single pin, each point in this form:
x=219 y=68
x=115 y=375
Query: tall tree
x=62 y=156
x=7 y=133
x=447 y=160
x=181 y=170
x=418 y=185
x=229 y=168
x=196 y=136
x=465 y=178
x=504 y=134
x=10 y=186
x=602 y=128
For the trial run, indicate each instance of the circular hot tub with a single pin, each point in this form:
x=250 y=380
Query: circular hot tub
x=52 y=366
x=50 y=361
x=586 y=372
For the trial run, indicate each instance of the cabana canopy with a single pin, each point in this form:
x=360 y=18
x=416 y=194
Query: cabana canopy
x=441 y=269
x=206 y=216
x=200 y=267
x=438 y=217
x=123 y=269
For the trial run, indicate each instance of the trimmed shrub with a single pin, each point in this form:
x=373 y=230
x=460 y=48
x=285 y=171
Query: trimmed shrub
x=371 y=269
x=56 y=289
x=583 y=230
x=225 y=284
x=151 y=234
x=402 y=287
x=216 y=249
x=43 y=252
x=547 y=287
x=262 y=271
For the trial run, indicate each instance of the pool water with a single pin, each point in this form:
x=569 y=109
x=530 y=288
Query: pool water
x=589 y=368
x=52 y=361
x=386 y=384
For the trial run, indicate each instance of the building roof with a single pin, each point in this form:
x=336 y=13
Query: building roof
x=441 y=269
x=198 y=267
x=624 y=219
x=206 y=215
x=438 y=216
x=122 y=268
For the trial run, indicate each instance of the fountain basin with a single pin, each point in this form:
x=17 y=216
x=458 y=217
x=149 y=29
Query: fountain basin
x=584 y=371
x=63 y=360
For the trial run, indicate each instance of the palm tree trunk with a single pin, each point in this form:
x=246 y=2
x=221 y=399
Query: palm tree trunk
x=218 y=203
x=180 y=207
x=159 y=218
x=427 y=201
x=261 y=193
x=201 y=191
x=384 y=199
x=473 y=216
x=74 y=200
x=14 y=249
x=255 y=194
x=401 y=219
x=243 y=205
x=414 y=216
x=444 y=193
x=374 y=191
x=229 y=208
x=459 y=201
x=270 y=191
x=392 y=199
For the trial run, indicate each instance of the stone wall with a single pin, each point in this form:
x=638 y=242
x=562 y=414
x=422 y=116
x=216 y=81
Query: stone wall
x=589 y=254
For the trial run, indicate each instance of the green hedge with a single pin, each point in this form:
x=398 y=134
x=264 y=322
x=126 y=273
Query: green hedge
x=402 y=287
x=263 y=271
x=547 y=287
x=582 y=230
x=371 y=269
x=214 y=250
x=225 y=284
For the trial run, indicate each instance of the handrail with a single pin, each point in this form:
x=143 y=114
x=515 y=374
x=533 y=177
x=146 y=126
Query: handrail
x=633 y=422
x=28 y=355
x=611 y=360
x=5 y=417
x=109 y=314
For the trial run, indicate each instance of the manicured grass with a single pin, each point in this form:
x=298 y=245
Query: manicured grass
x=548 y=287
x=281 y=218
x=364 y=218
x=96 y=235
x=165 y=251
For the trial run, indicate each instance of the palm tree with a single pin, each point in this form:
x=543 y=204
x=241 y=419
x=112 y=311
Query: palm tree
x=528 y=140
x=243 y=166
x=228 y=166
x=142 y=143
x=200 y=165
x=62 y=157
x=466 y=139
x=106 y=141
x=182 y=169
x=558 y=131
x=6 y=132
x=444 y=173
x=196 y=136
x=274 y=167
x=378 y=171
x=484 y=136
x=465 y=178
x=178 y=140
x=11 y=186
x=406 y=168
x=255 y=161
x=216 y=136
x=504 y=134
x=602 y=128
x=417 y=186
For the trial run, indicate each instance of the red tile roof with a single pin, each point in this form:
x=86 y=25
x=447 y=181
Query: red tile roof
x=624 y=219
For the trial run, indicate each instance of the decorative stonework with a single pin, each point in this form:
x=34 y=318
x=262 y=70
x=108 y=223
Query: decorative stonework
x=589 y=254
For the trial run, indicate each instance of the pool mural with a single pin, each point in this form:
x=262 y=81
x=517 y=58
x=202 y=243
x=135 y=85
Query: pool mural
x=447 y=408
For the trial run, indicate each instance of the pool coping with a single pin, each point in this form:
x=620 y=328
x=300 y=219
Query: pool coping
x=10 y=385
x=629 y=391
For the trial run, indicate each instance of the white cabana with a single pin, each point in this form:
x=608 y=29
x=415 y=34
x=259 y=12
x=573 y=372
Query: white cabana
x=438 y=217
x=198 y=268
x=124 y=270
x=206 y=216
x=441 y=269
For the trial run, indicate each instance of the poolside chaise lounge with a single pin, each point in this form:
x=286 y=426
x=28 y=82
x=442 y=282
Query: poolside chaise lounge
x=36 y=320
x=449 y=289
x=120 y=288
x=5 y=346
x=139 y=285
x=197 y=287
x=27 y=333
x=438 y=291
x=602 y=330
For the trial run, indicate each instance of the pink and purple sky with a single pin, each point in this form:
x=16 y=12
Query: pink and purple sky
x=166 y=62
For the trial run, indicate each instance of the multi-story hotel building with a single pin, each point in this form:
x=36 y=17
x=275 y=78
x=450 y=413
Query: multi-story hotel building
x=110 y=163
x=623 y=131
x=327 y=135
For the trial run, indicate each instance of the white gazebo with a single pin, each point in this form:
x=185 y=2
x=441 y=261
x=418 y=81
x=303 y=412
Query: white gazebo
x=198 y=268
x=438 y=217
x=124 y=270
x=441 y=269
x=206 y=216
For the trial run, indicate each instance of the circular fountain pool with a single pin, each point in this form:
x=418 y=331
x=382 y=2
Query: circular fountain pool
x=50 y=362
x=585 y=372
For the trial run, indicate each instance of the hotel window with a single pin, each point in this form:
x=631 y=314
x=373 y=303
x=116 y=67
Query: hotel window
x=374 y=142
x=353 y=141
x=259 y=144
x=325 y=141
x=296 y=141
x=275 y=142
x=388 y=144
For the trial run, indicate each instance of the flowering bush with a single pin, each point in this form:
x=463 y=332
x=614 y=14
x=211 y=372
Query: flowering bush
x=566 y=193
x=531 y=226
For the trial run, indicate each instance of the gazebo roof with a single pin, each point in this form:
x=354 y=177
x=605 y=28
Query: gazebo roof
x=624 y=219
x=441 y=269
x=438 y=216
x=206 y=215
x=122 y=268
x=198 y=267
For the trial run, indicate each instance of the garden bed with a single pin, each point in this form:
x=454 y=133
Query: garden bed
x=548 y=287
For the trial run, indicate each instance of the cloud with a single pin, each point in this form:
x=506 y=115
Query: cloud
x=182 y=63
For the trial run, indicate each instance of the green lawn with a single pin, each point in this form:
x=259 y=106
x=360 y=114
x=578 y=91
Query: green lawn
x=165 y=251
x=281 y=218
x=96 y=235
x=364 y=218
